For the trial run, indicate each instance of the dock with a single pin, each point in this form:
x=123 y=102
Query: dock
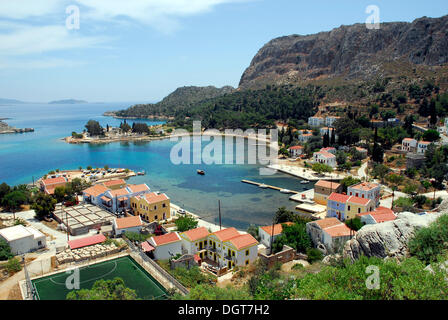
x=267 y=186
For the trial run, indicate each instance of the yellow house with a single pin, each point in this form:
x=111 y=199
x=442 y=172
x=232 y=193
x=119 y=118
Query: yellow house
x=357 y=205
x=151 y=207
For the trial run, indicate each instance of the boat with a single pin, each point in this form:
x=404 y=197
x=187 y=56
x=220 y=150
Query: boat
x=285 y=191
x=181 y=211
x=263 y=186
x=141 y=173
x=304 y=182
x=201 y=172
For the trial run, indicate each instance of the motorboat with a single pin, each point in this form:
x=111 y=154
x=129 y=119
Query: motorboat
x=201 y=172
x=304 y=182
x=263 y=186
x=285 y=191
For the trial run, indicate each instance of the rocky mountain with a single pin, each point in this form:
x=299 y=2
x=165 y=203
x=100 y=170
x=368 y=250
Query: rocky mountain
x=181 y=98
x=351 y=52
x=388 y=239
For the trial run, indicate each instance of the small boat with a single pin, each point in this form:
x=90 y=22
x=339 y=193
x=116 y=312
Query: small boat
x=304 y=182
x=141 y=173
x=285 y=191
x=181 y=211
x=201 y=172
x=263 y=186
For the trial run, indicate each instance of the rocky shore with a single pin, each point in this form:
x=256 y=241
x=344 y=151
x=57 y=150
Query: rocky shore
x=5 y=128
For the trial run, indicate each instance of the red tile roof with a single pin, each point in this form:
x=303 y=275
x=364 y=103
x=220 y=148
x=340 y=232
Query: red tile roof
x=243 y=241
x=326 y=154
x=338 y=197
x=365 y=186
x=96 y=190
x=358 y=200
x=383 y=217
x=128 y=222
x=88 y=241
x=295 y=148
x=138 y=187
x=154 y=197
x=226 y=234
x=58 y=180
x=327 y=222
x=119 y=192
x=327 y=184
x=114 y=182
x=166 y=238
x=196 y=234
x=278 y=229
x=147 y=247
x=339 y=231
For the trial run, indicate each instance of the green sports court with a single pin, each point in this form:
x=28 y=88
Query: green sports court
x=135 y=277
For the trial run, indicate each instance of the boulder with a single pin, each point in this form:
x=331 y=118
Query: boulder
x=387 y=239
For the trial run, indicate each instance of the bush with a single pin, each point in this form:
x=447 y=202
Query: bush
x=314 y=255
x=431 y=241
x=186 y=223
x=13 y=265
x=297 y=266
x=5 y=250
x=136 y=237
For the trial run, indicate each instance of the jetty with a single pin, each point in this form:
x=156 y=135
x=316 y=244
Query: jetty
x=267 y=186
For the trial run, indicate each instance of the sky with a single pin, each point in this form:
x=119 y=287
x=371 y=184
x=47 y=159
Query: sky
x=141 y=50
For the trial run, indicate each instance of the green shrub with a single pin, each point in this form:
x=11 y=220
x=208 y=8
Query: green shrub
x=5 y=250
x=314 y=255
x=13 y=265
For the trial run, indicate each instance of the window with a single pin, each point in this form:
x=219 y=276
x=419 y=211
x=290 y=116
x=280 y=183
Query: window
x=247 y=262
x=247 y=252
x=359 y=210
x=164 y=205
x=155 y=217
x=348 y=208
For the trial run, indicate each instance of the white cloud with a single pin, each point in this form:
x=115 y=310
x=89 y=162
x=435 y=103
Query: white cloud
x=22 y=9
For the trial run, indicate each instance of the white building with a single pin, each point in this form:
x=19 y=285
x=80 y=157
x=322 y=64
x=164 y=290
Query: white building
x=23 y=239
x=295 y=151
x=329 y=121
x=422 y=146
x=366 y=190
x=195 y=241
x=268 y=232
x=329 y=233
x=304 y=138
x=325 y=158
x=166 y=246
x=316 y=121
x=409 y=145
x=127 y=224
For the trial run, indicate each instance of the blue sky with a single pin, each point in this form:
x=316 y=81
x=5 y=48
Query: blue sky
x=141 y=50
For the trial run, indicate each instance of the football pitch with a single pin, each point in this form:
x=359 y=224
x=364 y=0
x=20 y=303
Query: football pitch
x=53 y=287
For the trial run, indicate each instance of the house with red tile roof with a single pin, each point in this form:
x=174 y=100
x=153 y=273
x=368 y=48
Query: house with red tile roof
x=295 y=151
x=267 y=232
x=127 y=224
x=368 y=190
x=422 y=146
x=48 y=185
x=166 y=246
x=323 y=189
x=228 y=248
x=379 y=215
x=154 y=206
x=94 y=193
x=195 y=241
x=343 y=207
x=115 y=184
x=329 y=234
x=325 y=158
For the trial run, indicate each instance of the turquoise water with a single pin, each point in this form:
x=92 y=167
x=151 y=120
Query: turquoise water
x=28 y=155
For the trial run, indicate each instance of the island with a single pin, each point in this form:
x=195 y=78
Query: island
x=67 y=101
x=5 y=128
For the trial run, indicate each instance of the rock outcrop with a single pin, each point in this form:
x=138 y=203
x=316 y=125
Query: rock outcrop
x=350 y=52
x=388 y=239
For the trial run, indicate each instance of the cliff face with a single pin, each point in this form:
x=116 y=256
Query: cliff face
x=351 y=52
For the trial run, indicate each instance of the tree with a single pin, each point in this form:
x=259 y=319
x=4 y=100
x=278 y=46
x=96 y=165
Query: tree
x=253 y=231
x=4 y=190
x=186 y=223
x=282 y=215
x=59 y=193
x=125 y=127
x=354 y=224
x=94 y=128
x=348 y=181
x=104 y=290
x=14 y=200
x=76 y=186
x=295 y=236
x=314 y=255
x=341 y=157
x=43 y=205
x=377 y=153
x=380 y=170
x=5 y=250
x=140 y=128
x=13 y=265
x=431 y=135
x=320 y=167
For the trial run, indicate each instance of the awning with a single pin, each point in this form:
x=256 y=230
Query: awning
x=147 y=247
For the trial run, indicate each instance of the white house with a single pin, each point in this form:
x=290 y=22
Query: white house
x=94 y=193
x=303 y=138
x=166 y=246
x=295 y=151
x=127 y=224
x=120 y=199
x=422 y=146
x=329 y=121
x=329 y=150
x=325 y=158
x=195 y=241
x=329 y=233
x=379 y=215
x=367 y=190
x=316 y=121
x=23 y=239
x=409 y=145
x=268 y=232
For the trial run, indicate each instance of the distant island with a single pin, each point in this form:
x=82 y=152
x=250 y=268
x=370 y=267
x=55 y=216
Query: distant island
x=10 y=101
x=5 y=128
x=67 y=101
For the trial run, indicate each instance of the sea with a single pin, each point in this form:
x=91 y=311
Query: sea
x=25 y=157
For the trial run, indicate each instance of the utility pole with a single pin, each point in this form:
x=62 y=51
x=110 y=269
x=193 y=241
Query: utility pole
x=272 y=237
x=66 y=225
x=219 y=211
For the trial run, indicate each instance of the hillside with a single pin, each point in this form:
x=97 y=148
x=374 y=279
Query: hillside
x=351 y=53
x=180 y=99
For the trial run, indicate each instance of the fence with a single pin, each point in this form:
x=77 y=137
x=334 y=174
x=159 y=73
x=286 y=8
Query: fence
x=166 y=276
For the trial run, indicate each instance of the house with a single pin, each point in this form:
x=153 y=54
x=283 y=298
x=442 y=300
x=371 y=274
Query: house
x=48 y=185
x=356 y=205
x=343 y=207
x=362 y=151
x=23 y=239
x=229 y=248
x=166 y=246
x=315 y=121
x=409 y=145
x=94 y=193
x=304 y=131
x=119 y=200
x=379 y=215
x=323 y=189
x=422 y=146
x=368 y=190
x=326 y=130
x=329 y=233
x=269 y=233
x=115 y=184
x=127 y=224
x=329 y=150
x=152 y=206
x=295 y=151
x=325 y=158
x=329 y=121
x=304 y=138
x=195 y=241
